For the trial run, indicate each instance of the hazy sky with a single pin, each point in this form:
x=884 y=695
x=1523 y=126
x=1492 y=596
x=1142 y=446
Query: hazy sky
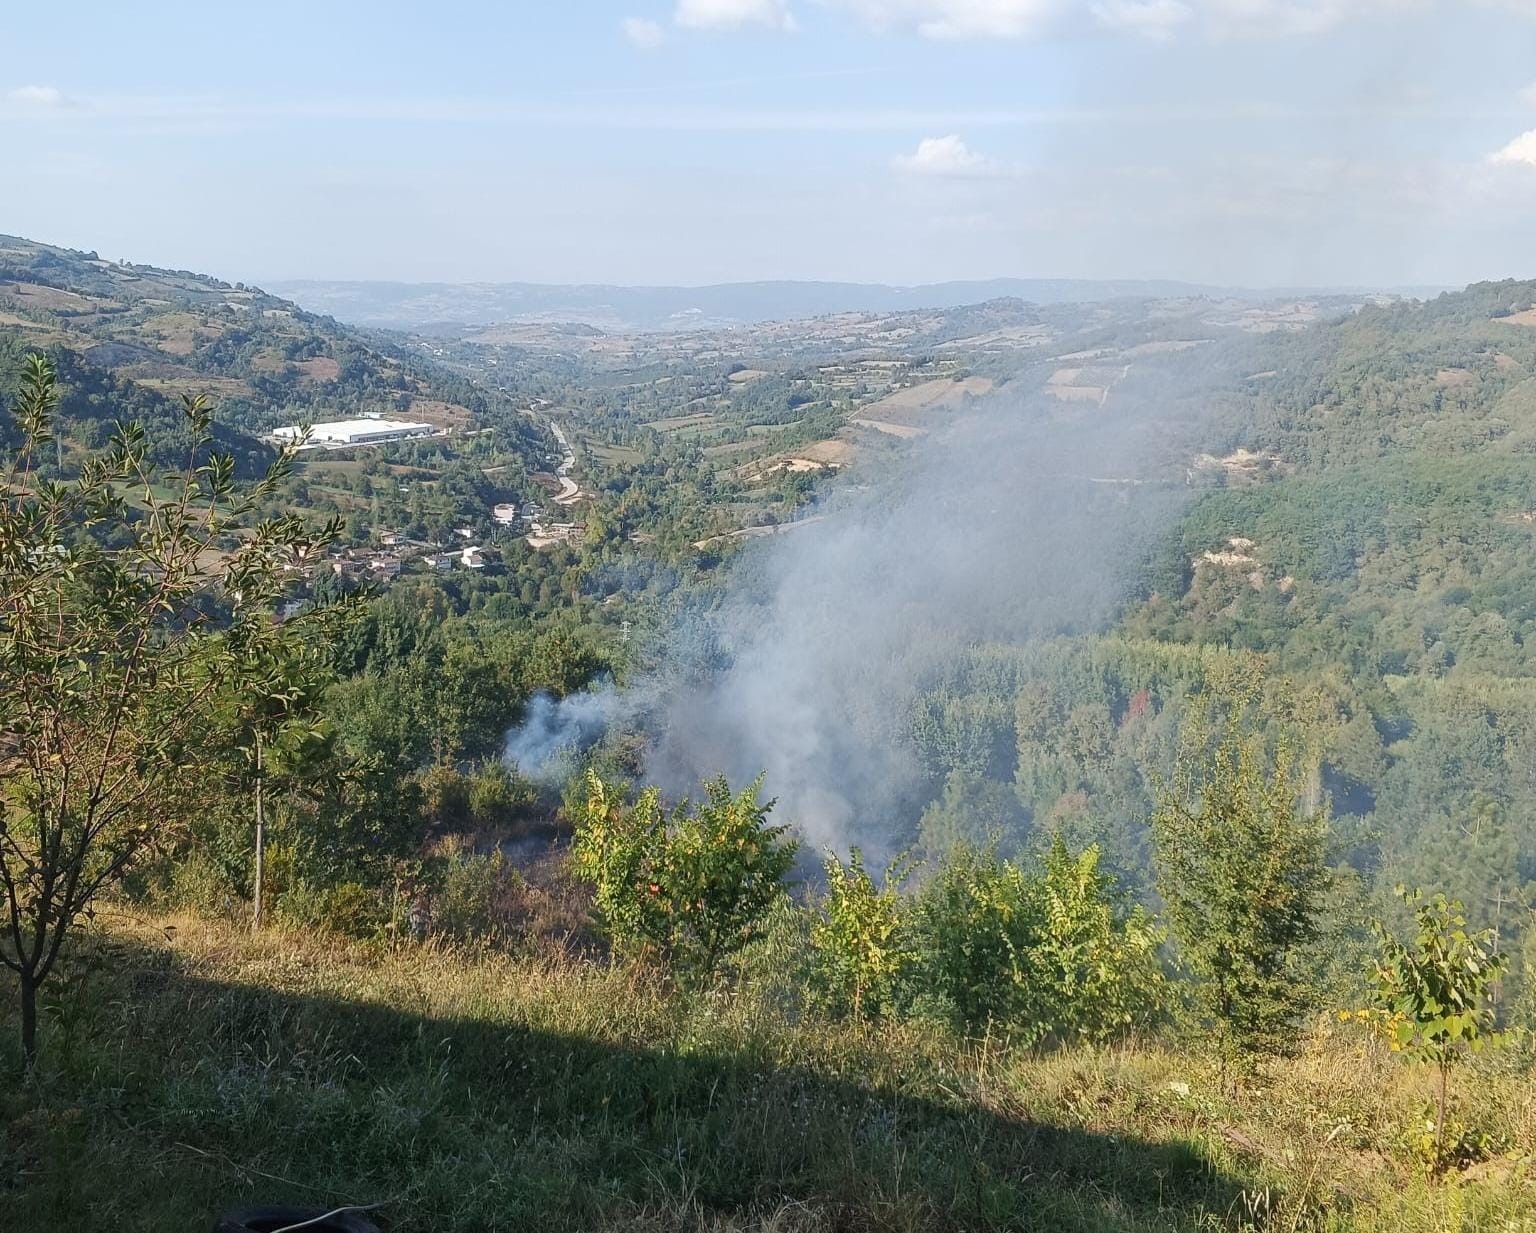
x=1244 y=141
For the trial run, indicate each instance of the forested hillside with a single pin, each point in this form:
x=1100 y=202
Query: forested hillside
x=1364 y=517
x=149 y=335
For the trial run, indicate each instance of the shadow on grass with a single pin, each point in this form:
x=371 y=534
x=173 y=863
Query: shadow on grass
x=167 y=1097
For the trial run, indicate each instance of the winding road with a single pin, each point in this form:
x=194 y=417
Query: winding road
x=570 y=490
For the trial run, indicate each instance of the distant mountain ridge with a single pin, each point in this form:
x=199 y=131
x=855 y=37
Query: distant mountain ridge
x=418 y=306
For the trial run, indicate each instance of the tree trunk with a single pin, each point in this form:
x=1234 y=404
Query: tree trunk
x=261 y=841
x=29 y=1019
x=1445 y=1067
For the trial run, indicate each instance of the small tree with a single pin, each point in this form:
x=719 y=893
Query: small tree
x=276 y=730
x=122 y=625
x=1095 y=964
x=1433 y=993
x=692 y=887
x=859 y=946
x=1241 y=870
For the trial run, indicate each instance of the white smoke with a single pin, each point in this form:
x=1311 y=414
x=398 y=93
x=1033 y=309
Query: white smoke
x=1001 y=527
x=553 y=733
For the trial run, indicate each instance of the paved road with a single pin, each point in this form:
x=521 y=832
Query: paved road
x=569 y=488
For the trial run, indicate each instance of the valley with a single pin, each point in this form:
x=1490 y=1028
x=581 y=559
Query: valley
x=956 y=582
x=768 y=616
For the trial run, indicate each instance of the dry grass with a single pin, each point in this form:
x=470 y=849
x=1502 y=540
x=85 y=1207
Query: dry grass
x=321 y=368
x=912 y=404
x=905 y=431
x=53 y=299
x=189 y=1066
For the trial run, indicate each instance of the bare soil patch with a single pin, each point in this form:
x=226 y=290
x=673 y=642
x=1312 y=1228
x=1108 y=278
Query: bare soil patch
x=438 y=414
x=321 y=368
x=35 y=295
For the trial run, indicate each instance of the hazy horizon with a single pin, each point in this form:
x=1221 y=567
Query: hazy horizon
x=889 y=284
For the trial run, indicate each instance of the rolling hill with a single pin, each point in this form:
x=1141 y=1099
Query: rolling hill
x=133 y=338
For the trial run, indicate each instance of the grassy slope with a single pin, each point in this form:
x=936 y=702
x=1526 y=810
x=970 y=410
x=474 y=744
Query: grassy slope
x=182 y=1076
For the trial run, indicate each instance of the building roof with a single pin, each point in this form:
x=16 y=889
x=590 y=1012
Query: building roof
x=340 y=430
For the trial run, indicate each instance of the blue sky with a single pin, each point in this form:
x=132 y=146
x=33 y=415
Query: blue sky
x=1261 y=142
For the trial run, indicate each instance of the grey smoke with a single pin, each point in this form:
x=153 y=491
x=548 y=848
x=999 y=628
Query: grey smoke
x=545 y=744
x=1018 y=519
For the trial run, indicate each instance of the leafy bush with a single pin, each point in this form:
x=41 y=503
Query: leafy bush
x=1433 y=1005
x=973 y=926
x=342 y=907
x=1043 y=957
x=1096 y=973
x=497 y=795
x=860 y=948
x=690 y=888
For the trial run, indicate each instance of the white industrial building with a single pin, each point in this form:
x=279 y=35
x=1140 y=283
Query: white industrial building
x=338 y=433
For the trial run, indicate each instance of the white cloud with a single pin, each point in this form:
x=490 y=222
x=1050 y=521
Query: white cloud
x=1012 y=19
x=734 y=14
x=959 y=19
x=1154 y=19
x=38 y=96
x=946 y=157
x=645 y=34
x=1294 y=18
x=1521 y=150
x=1528 y=95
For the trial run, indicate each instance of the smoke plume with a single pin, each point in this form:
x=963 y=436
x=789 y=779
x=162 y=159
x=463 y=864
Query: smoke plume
x=1010 y=521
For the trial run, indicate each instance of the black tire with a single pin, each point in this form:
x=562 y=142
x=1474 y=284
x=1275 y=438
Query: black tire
x=269 y=1219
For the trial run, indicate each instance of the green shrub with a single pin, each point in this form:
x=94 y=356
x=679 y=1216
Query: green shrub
x=1094 y=966
x=1043 y=957
x=497 y=795
x=859 y=945
x=690 y=888
x=973 y=926
x=196 y=883
x=774 y=971
x=343 y=907
x=1433 y=1004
